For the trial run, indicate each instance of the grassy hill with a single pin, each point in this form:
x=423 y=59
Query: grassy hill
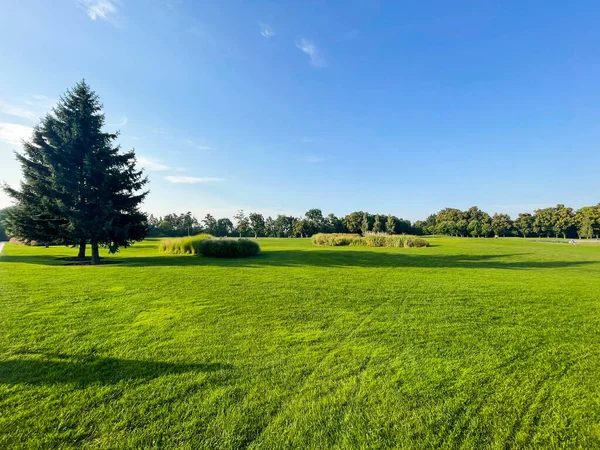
x=476 y=342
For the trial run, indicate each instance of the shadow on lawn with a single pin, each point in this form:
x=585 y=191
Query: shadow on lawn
x=328 y=258
x=85 y=370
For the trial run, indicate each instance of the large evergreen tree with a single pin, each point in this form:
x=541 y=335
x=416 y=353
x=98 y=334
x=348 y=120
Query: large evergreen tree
x=77 y=185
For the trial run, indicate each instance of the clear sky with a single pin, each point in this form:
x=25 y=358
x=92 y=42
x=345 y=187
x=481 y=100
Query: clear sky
x=278 y=107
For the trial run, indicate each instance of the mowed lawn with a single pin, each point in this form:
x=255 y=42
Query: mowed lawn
x=471 y=343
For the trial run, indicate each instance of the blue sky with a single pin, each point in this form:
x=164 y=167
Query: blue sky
x=278 y=107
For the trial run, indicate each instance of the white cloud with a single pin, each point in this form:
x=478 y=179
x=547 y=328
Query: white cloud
x=191 y=180
x=191 y=143
x=12 y=110
x=309 y=47
x=100 y=9
x=13 y=133
x=36 y=107
x=266 y=30
x=122 y=123
x=152 y=165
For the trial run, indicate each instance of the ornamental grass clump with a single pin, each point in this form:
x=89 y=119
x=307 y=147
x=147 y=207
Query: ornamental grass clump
x=369 y=240
x=336 y=239
x=189 y=245
x=229 y=248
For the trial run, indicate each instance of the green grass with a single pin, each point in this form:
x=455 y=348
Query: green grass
x=470 y=343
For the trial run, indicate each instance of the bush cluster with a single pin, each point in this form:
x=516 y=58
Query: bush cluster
x=189 y=245
x=229 y=248
x=371 y=240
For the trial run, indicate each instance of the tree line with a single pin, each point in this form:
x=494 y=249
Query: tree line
x=558 y=221
x=256 y=225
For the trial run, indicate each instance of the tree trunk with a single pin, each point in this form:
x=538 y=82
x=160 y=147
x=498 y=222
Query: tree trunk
x=95 y=253
x=81 y=254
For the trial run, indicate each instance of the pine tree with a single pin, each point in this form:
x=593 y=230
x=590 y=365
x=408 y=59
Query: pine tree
x=390 y=224
x=377 y=226
x=77 y=184
x=364 y=227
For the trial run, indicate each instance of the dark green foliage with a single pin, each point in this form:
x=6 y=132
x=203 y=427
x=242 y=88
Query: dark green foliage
x=257 y=224
x=3 y=216
x=77 y=184
x=228 y=248
x=173 y=225
x=364 y=225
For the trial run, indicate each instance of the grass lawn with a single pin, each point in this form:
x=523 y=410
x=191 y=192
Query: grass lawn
x=470 y=343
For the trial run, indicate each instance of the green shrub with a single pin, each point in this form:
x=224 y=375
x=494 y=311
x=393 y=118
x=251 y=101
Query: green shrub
x=229 y=248
x=370 y=240
x=189 y=245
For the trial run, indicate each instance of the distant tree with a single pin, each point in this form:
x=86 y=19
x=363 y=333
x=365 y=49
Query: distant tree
x=270 y=227
x=3 y=216
x=474 y=228
x=565 y=221
x=390 y=224
x=353 y=221
x=587 y=220
x=302 y=228
x=257 y=224
x=364 y=226
x=524 y=224
x=315 y=223
x=461 y=227
x=210 y=224
x=77 y=184
x=585 y=230
x=334 y=225
x=224 y=227
x=445 y=227
x=544 y=221
x=284 y=226
x=501 y=224
x=242 y=223
x=189 y=223
x=377 y=225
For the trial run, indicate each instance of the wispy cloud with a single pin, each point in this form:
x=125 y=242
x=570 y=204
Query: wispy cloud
x=193 y=144
x=266 y=30
x=100 y=9
x=120 y=124
x=33 y=108
x=151 y=164
x=311 y=159
x=191 y=180
x=13 y=133
x=16 y=111
x=310 y=48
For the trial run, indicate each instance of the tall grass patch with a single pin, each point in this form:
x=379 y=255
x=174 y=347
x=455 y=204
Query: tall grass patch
x=189 y=245
x=336 y=239
x=229 y=248
x=371 y=240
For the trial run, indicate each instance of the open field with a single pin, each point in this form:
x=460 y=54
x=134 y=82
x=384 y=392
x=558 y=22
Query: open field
x=471 y=342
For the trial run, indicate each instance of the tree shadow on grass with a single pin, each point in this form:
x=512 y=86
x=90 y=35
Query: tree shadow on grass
x=48 y=368
x=331 y=258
